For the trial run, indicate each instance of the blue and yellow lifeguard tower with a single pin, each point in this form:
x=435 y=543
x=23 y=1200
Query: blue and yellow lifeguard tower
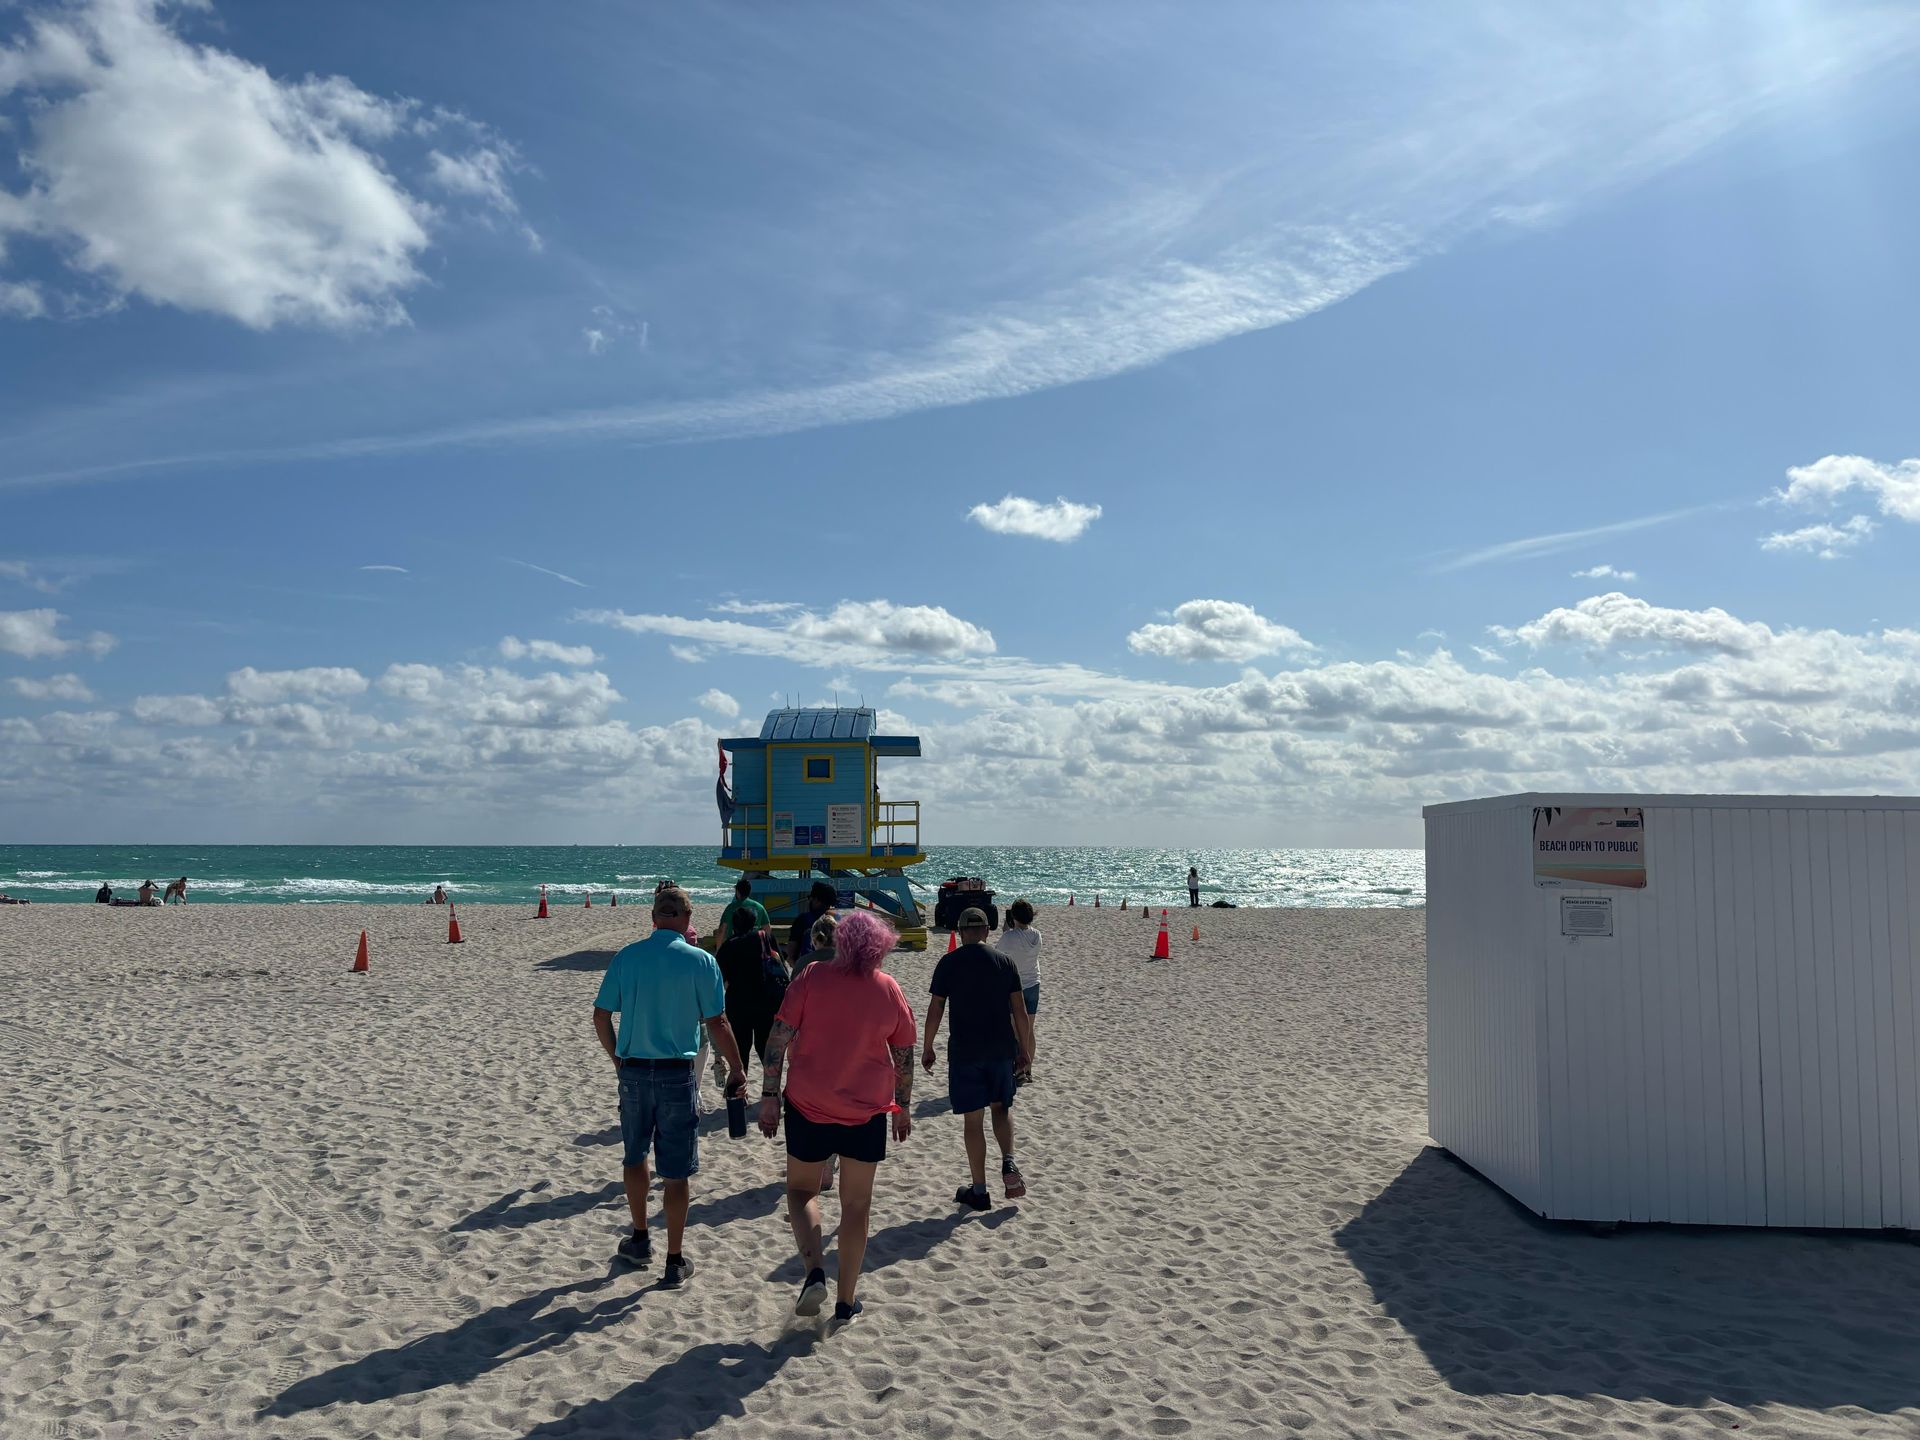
x=805 y=806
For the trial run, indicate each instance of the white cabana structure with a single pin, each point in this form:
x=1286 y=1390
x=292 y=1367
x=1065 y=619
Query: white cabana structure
x=1691 y=1008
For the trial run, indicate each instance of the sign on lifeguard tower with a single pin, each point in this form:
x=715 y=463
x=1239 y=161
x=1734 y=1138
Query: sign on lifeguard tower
x=805 y=805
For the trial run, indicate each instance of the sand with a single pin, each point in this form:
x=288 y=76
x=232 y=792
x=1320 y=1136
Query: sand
x=244 y=1193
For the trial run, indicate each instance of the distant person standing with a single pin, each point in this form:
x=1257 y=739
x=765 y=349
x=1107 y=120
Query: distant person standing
x=1193 y=887
x=992 y=1037
x=104 y=895
x=1020 y=943
x=666 y=993
x=848 y=1031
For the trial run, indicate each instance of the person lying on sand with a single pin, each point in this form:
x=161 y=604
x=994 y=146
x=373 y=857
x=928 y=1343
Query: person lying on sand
x=6 y=899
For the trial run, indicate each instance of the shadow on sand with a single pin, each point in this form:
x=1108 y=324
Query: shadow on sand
x=507 y=1213
x=685 y=1396
x=1503 y=1302
x=463 y=1354
x=913 y=1240
x=579 y=960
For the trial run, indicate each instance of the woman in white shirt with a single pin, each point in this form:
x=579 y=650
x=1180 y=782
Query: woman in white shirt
x=1020 y=943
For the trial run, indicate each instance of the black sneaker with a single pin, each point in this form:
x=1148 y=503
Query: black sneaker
x=813 y=1294
x=843 y=1312
x=973 y=1198
x=678 y=1269
x=636 y=1249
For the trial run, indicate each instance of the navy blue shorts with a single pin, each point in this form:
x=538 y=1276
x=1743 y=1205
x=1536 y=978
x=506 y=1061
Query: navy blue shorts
x=812 y=1142
x=975 y=1084
x=656 y=1113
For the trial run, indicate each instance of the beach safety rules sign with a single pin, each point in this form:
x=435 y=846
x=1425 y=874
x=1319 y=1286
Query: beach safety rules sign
x=1589 y=847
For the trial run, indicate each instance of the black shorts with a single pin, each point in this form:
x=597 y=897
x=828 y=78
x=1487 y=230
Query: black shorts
x=814 y=1144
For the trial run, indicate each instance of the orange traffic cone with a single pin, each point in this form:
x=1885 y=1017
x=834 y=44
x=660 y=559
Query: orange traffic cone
x=453 y=928
x=543 y=904
x=1160 y=951
x=1196 y=934
x=360 y=956
x=953 y=941
x=589 y=904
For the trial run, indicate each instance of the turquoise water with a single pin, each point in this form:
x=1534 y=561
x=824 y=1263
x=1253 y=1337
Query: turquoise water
x=477 y=874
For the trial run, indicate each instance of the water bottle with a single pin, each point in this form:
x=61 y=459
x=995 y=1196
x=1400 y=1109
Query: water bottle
x=737 y=1112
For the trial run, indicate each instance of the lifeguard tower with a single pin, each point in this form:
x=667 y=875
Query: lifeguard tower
x=805 y=806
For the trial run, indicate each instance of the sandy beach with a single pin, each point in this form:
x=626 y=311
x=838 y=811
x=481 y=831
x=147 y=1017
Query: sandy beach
x=245 y=1193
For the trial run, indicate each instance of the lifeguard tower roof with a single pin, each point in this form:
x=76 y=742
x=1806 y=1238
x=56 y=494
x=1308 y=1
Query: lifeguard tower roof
x=829 y=724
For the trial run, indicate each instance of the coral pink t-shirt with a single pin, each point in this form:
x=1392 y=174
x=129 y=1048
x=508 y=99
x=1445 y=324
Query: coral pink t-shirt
x=839 y=1071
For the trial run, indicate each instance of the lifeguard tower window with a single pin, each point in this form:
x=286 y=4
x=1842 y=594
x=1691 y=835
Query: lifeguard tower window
x=820 y=767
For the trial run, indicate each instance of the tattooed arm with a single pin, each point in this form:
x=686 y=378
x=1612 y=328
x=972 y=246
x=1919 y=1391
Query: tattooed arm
x=776 y=1060
x=902 y=1089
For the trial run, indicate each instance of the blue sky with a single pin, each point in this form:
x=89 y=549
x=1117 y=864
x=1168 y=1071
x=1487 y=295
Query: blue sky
x=1227 y=424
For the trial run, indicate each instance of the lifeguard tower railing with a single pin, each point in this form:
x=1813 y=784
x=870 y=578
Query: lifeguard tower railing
x=893 y=834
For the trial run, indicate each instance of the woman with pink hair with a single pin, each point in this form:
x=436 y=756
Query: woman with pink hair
x=850 y=1034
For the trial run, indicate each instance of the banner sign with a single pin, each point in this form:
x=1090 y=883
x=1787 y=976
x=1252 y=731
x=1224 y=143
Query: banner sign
x=1573 y=847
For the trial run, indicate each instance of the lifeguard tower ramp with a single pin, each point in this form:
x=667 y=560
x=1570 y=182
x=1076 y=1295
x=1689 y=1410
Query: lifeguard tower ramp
x=806 y=806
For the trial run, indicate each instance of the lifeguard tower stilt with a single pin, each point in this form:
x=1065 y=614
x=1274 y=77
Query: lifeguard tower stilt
x=805 y=806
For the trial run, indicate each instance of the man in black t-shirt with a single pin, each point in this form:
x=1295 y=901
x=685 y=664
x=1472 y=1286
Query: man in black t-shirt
x=992 y=1036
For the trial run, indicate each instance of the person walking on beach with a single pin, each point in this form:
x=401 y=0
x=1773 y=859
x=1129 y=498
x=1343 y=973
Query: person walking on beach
x=848 y=1032
x=756 y=979
x=992 y=1037
x=1020 y=943
x=742 y=899
x=800 y=934
x=666 y=992
x=1193 y=887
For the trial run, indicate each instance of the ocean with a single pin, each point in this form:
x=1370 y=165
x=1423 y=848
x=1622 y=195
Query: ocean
x=513 y=874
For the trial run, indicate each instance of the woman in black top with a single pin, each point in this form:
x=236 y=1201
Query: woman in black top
x=750 y=1001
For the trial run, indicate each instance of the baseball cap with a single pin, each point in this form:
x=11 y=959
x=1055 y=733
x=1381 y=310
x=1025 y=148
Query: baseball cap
x=972 y=917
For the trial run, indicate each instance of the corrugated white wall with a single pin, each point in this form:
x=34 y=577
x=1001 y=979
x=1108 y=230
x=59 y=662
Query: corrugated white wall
x=1744 y=1050
x=1484 y=999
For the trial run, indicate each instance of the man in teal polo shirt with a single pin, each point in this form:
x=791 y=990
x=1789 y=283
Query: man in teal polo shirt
x=665 y=992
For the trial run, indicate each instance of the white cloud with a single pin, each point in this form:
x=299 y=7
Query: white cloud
x=1829 y=542
x=1061 y=520
x=687 y=654
x=1895 y=486
x=1605 y=572
x=481 y=174
x=54 y=687
x=1615 y=622
x=31 y=634
x=541 y=569
x=33 y=577
x=1491 y=657
x=21 y=300
x=314 y=682
x=854 y=632
x=177 y=710
x=597 y=341
x=187 y=176
x=718 y=702
x=512 y=647
x=1533 y=546
x=756 y=607
x=1217 y=630
x=388 y=569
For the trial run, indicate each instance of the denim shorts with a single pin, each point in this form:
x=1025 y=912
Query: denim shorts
x=975 y=1084
x=656 y=1113
x=1032 y=992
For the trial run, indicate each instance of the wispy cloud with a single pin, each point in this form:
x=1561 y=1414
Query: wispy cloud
x=1604 y=572
x=528 y=564
x=1829 y=542
x=1552 y=544
x=388 y=569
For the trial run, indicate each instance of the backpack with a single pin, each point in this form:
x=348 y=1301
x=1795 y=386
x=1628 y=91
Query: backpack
x=773 y=970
